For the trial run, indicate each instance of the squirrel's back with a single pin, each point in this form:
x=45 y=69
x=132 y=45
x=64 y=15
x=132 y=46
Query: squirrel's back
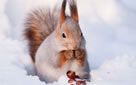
x=39 y=24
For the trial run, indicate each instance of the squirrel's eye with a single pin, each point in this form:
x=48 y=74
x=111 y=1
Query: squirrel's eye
x=63 y=35
x=81 y=34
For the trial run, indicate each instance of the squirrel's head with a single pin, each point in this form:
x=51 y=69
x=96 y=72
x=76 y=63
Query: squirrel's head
x=68 y=30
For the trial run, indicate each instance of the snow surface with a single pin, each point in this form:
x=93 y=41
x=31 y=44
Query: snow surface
x=109 y=27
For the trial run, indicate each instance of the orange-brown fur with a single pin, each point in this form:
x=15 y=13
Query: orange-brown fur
x=42 y=22
x=52 y=31
x=74 y=11
x=39 y=24
x=62 y=12
x=62 y=58
x=78 y=55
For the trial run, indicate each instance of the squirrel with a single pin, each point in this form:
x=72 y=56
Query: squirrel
x=56 y=43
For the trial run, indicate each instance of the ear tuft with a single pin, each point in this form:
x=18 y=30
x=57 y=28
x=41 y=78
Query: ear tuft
x=62 y=12
x=73 y=10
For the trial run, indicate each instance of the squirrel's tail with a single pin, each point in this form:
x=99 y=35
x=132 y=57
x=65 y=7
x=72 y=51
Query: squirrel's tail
x=38 y=25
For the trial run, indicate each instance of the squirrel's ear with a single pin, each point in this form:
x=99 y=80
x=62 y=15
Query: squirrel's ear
x=62 y=12
x=73 y=10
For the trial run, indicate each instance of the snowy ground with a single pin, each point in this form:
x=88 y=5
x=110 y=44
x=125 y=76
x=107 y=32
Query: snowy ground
x=109 y=27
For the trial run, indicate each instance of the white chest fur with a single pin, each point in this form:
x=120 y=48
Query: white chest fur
x=47 y=59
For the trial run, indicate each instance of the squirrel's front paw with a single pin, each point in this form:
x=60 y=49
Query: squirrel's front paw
x=80 y=53
x=69 y=54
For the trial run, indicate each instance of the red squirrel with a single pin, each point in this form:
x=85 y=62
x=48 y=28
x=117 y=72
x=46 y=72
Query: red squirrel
x=56 y=43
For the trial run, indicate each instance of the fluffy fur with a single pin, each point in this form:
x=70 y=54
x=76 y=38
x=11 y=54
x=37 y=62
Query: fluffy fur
x=39 y=24
x=53 y=54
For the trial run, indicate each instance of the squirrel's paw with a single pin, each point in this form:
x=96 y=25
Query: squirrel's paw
x=80 y=53
x=69 y=54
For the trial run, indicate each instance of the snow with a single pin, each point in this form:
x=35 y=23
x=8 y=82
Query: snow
x=109 y=29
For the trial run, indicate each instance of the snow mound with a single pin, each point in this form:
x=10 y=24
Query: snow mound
x=119 y=71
